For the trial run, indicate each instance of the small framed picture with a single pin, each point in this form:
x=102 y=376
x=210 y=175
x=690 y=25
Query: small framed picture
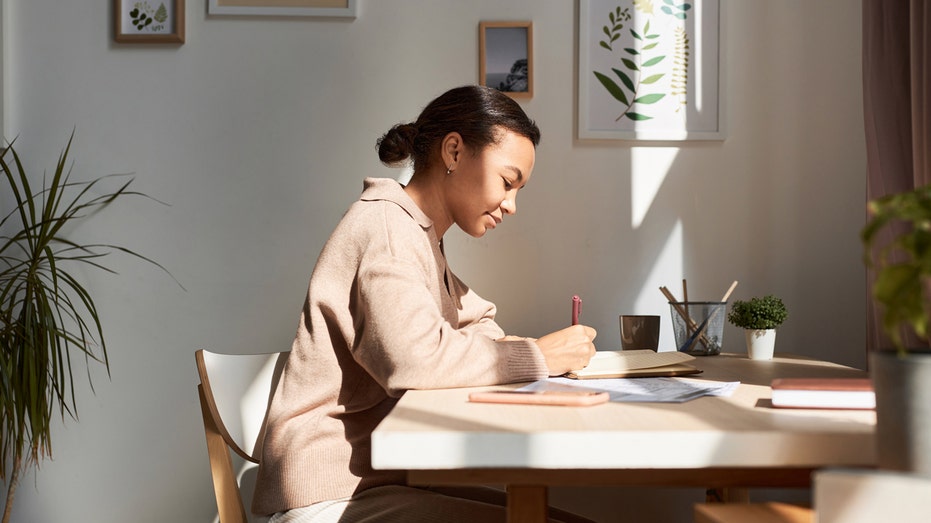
x=334 y=8
x=149 y=21
x=506 y=57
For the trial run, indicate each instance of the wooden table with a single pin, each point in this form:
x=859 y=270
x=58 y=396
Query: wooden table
x=712 y=442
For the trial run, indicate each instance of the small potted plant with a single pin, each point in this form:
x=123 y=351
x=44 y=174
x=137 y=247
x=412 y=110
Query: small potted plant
x=759 y=318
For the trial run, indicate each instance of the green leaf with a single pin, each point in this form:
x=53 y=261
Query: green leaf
x=638 y=116
x=630 y=64
x=680 y=16
x=650 y=46
x=606 y=46
x=637 y=36
x=614 y=89
x=624 y=78
x=666 y=10
x=649 y=98
x=654 y=61
x=631 y=51
x=652 y=79
x=606 y=31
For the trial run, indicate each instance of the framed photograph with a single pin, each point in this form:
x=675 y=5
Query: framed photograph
x=650 y=71
x=336 y=8
x=506 y=57
x=149 y=21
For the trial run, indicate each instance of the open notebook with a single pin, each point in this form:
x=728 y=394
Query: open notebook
x=635 y=363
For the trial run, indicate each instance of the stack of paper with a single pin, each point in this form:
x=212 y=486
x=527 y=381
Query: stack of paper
x=635 y=363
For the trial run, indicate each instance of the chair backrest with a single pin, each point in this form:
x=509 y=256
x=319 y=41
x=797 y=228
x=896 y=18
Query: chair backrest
x=235 y=390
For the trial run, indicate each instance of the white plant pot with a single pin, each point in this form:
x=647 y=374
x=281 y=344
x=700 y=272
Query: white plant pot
x=760 y=343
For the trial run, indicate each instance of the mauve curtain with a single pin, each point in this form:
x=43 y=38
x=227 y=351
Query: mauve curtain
x=896 y=107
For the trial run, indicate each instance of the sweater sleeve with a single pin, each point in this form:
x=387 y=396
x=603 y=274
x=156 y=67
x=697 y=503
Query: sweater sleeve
x=404 y=341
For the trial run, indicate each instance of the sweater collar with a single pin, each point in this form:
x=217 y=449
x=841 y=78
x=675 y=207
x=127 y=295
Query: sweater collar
x=386 y=189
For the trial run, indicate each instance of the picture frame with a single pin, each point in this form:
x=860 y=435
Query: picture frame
x=325 y=8
x=148 y=21
x=506 y=57
x=653 y=76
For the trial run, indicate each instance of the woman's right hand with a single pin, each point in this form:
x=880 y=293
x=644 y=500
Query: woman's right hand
x=568 y=349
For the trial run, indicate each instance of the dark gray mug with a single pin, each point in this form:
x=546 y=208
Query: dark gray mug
x=639 y=332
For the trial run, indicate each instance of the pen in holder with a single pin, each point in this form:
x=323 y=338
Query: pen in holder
x=698 y=325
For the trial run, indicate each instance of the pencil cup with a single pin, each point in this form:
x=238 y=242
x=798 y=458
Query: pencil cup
x=699 y=326
x=639 y=332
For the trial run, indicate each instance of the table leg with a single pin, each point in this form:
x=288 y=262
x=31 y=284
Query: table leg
x=527 y=504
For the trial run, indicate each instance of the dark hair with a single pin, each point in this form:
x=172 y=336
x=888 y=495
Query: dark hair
x=475 y=112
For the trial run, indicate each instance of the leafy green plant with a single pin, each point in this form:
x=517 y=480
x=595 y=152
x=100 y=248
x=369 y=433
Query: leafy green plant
x=636 y=64
x=903 y=264
x=613 y=29
x=679 y=11
x=760 y=313
x=47 y=317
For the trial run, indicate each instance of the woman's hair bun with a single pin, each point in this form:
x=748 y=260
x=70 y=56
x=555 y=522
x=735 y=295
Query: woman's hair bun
x=397 y=145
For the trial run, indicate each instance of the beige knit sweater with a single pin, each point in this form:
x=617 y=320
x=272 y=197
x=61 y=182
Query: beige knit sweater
x=383 y=314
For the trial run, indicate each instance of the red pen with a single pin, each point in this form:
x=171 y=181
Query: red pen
x=576 y=309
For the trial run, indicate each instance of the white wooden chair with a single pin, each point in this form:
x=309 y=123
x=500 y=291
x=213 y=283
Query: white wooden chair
x=234 y=392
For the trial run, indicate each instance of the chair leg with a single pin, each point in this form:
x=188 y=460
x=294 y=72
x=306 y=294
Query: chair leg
x=727 y=495
x=229 y=499
x=526 y=504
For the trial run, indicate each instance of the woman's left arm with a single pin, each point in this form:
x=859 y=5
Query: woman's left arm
x=475 y=313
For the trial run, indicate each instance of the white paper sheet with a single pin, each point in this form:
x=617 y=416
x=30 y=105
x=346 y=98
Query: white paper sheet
x=648 y=390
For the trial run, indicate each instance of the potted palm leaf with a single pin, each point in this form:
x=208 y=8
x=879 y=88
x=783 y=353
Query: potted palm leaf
x=48 y=319
x=897 y=243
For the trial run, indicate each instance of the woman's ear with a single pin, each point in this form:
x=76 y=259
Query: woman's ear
x=450 y=149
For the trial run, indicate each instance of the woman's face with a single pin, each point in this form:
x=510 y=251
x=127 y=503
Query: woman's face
x=483 y=187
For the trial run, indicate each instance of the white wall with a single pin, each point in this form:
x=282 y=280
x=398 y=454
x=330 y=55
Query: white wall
x=259 y=131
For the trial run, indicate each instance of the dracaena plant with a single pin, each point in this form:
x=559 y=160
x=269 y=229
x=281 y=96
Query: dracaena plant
x=48 y=319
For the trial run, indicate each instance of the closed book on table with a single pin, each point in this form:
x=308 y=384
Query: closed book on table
x=824 y=393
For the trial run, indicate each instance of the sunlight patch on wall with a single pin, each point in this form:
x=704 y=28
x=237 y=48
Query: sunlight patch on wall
x=666 y=268
x=648 y=169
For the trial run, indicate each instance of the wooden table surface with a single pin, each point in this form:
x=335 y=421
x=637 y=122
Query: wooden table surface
x=741 y=440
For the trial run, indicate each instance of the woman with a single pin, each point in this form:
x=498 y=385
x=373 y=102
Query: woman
x=385 y=314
